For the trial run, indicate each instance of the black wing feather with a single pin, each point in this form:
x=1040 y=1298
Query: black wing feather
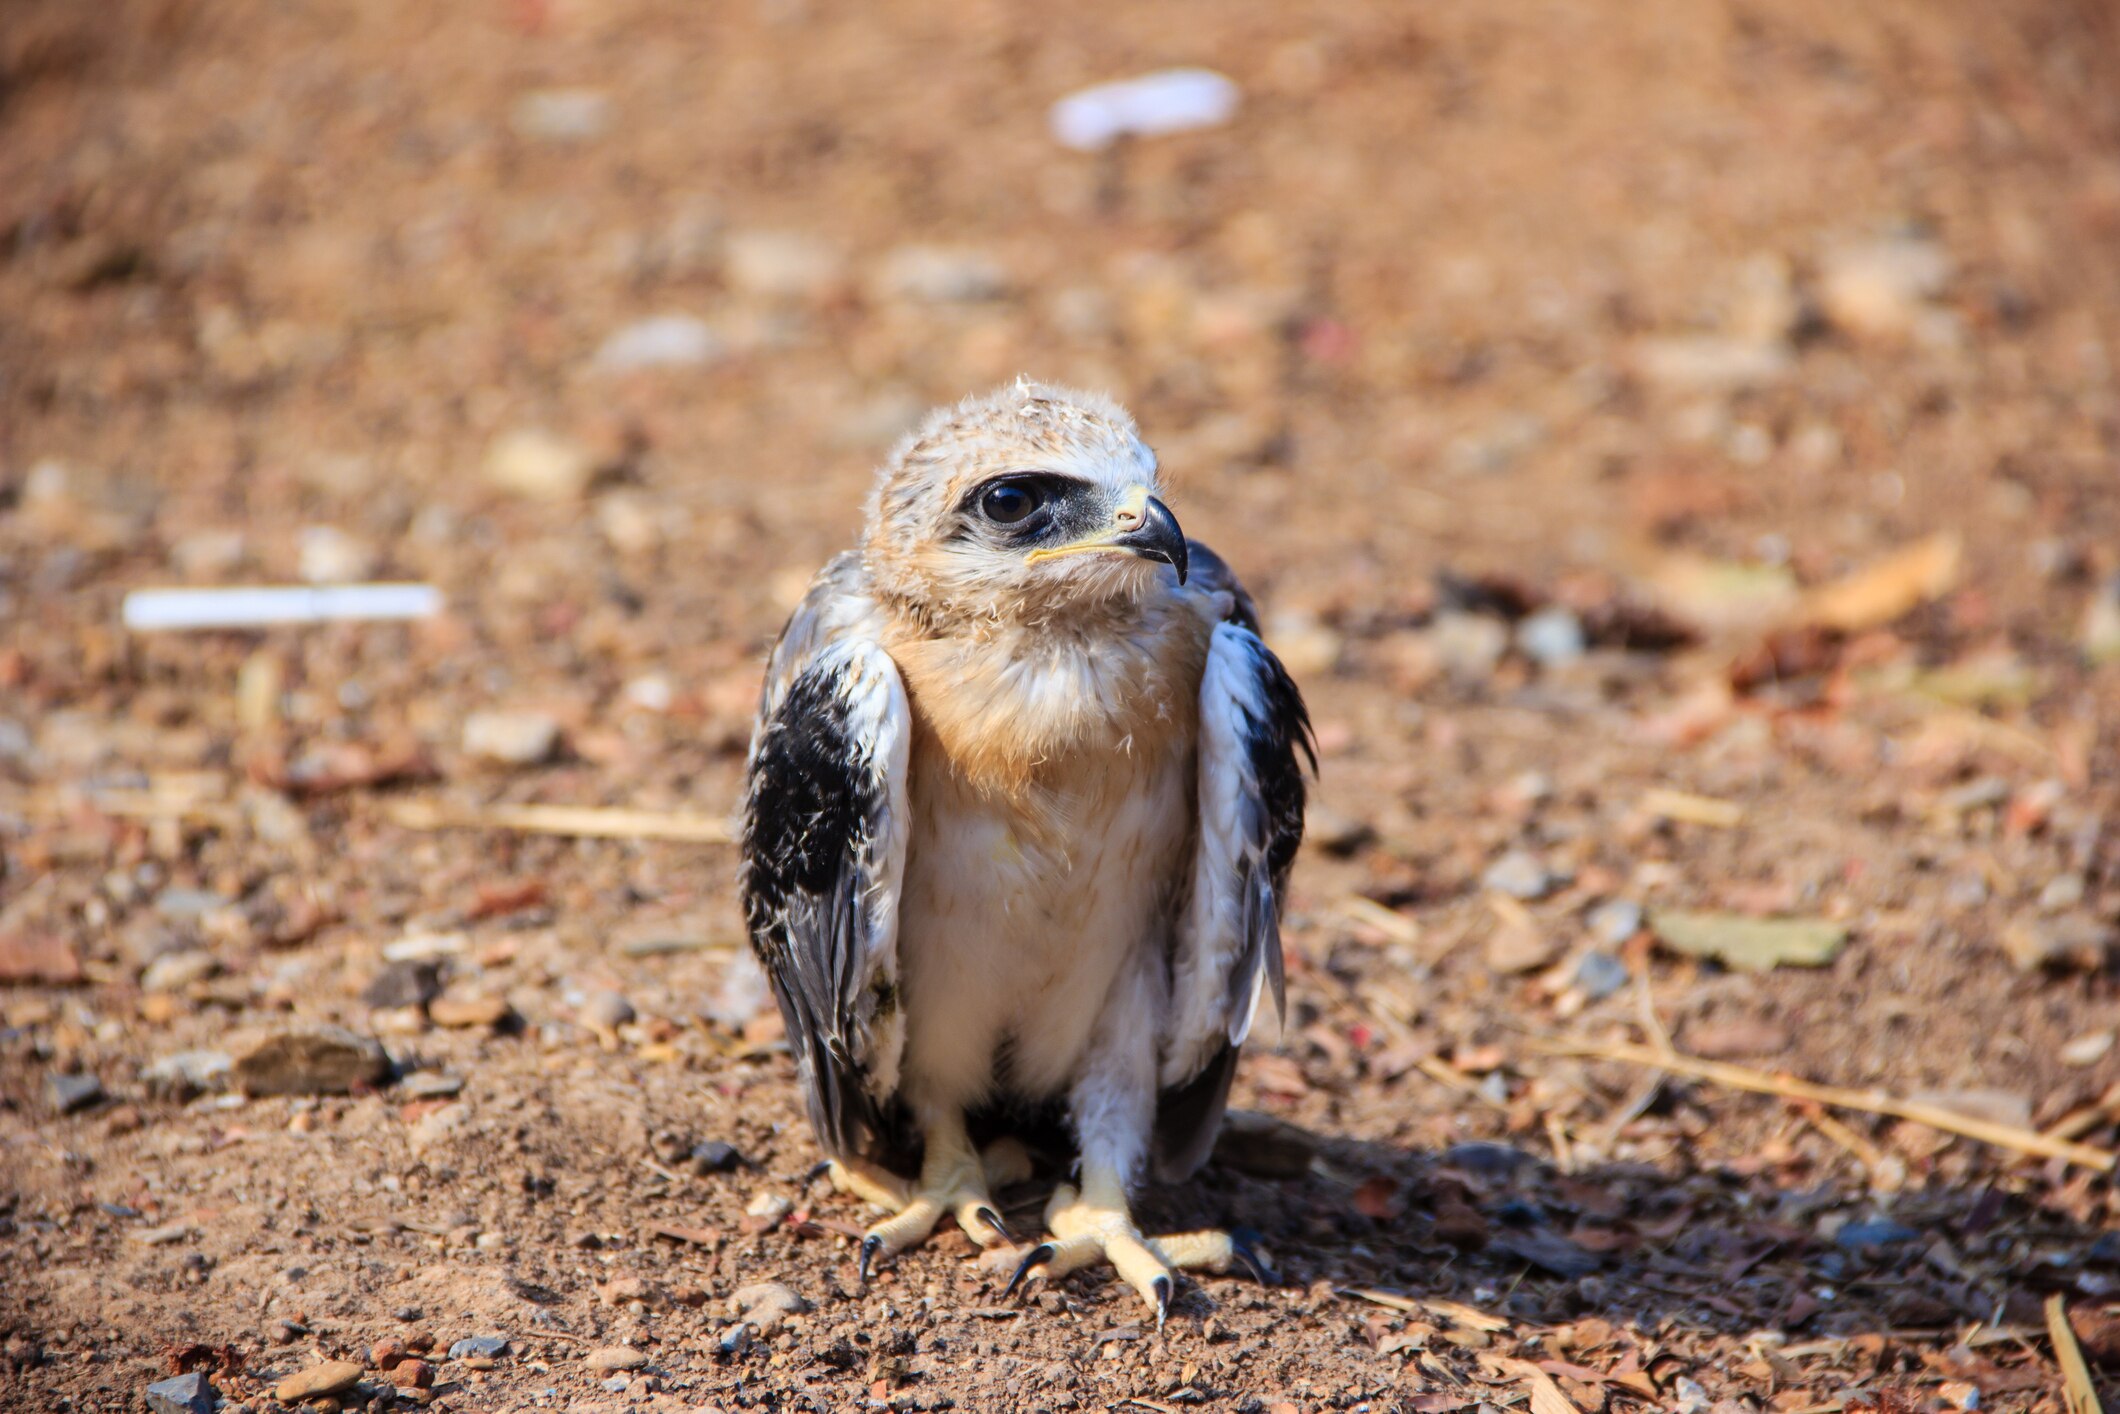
x=819 y=805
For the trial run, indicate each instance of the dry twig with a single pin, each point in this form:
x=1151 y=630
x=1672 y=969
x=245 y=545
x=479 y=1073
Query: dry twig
x=1737 y=1077
x=579 y=821
x=2077 y=1390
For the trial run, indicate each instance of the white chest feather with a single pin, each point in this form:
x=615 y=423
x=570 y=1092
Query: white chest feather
x=1024 y=907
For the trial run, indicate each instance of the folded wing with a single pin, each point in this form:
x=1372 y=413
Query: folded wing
x=1254 y=738
x=824 y=847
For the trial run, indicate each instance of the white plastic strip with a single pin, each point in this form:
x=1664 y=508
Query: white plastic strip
x=153 y=610
x=1167 y=102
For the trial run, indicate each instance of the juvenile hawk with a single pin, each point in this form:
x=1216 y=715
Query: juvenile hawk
x=1023 y=798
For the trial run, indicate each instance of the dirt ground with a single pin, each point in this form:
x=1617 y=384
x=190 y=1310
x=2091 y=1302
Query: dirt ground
x=1673 y=445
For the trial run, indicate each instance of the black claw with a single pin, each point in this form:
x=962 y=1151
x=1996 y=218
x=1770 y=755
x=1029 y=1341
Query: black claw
x=817 y=1170
x=1162 y=1289
x=1037 y=1256
x=1245 y=1251
x=993 y=1220
x=870 y=1246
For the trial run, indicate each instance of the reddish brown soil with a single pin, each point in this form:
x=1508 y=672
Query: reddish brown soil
x=1442 y=327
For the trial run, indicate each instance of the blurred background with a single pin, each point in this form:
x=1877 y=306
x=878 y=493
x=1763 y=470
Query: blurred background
x=1674 y=446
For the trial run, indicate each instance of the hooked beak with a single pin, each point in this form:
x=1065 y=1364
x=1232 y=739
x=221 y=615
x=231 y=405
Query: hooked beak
x=1141 y=526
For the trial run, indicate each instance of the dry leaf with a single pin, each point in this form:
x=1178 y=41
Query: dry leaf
x=1881 y=591
x=1749 y=944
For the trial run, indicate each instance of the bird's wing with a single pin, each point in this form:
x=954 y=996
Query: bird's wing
x=825 y=826
x=1254 y=737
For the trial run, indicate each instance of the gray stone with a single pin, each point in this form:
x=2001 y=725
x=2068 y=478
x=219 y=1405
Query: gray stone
x=186 y=1394
x=313 y=1060
x=402 y=984
x=715 y=1156
x=1616 y=920
x=1600 y=974
x=73 y=1092
x=1520 y=875
x=487 y=1347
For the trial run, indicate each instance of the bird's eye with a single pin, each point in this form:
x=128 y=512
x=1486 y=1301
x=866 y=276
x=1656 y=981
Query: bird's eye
x=1007 y=503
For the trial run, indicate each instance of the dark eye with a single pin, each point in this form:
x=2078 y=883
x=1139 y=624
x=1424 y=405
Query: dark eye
x=1008 y=503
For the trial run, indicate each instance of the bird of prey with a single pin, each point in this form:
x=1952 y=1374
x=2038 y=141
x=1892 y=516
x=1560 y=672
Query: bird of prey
x=1023 y=797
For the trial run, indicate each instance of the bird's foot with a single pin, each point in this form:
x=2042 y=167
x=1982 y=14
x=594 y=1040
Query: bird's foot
x=1085 y=1231
x=959 y=1185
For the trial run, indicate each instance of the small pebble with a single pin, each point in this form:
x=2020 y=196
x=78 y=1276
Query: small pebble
x=511 y=738
x=1520 y=875
x=318 y=1382
x=1552 y=638
x=1599 y=975
x=940 y=275
x=561 y=114
x=766 y=1304
x=766 y=1211
x=664 y=341
x=174 y=971
x=328 y=555
x=187 y=1073
x=1878 y=1232
x=186 y=1394
x=780 y=264
x=539 y=465
x=403 y=984
x=479 y=1347
x=2087 y=1049
x=387 y=1352
x=73 y=1092
x=714 y=1156
x=606 y=1010
x=431 y=1085
x=182 y=905
x=2062 y=893
x=410 y=1373
x=457 y=1012
x=1616 y=920
x=617 y=1357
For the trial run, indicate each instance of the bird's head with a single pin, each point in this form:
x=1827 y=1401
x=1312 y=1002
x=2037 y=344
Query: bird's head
x=1023 y=504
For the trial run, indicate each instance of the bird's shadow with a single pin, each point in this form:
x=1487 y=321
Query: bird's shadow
x=1736 y=1249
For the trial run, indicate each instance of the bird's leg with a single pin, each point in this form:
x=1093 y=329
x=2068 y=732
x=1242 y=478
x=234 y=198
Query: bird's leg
x=953 y=1179
x=1094 y=1222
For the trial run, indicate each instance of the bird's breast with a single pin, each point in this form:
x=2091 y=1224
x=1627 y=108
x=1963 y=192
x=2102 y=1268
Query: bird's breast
x=1011 y=712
